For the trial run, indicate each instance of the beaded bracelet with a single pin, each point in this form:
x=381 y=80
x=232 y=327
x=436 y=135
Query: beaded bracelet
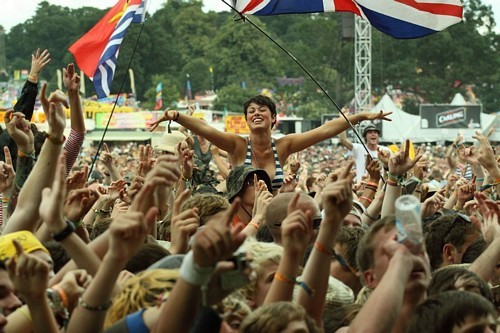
x=98 y=308
x=102 y=211
x=398 y=179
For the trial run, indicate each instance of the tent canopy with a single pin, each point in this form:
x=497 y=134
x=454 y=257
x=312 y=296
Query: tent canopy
x=407 y=126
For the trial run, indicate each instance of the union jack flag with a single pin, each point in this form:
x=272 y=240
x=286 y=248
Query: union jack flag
x=397 y=18
x=96 y=52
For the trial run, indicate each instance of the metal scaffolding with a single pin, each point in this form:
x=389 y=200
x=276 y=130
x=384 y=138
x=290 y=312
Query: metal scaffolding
x=362 y=64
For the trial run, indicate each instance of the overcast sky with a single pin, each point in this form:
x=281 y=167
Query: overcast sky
x=18 y=11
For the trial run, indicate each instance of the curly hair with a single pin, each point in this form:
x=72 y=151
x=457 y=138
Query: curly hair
x=143 y=290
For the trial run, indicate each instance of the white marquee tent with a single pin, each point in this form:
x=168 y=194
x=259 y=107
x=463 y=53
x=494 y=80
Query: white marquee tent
x=405 y=125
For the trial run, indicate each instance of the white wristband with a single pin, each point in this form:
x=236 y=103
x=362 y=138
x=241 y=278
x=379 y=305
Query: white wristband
x=194 y=274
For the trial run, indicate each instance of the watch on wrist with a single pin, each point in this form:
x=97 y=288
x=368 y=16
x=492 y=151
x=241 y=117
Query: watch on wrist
x=55 y=301
x=63 y=234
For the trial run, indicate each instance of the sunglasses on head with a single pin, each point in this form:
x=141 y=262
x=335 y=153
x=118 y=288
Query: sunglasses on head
x=316 y=222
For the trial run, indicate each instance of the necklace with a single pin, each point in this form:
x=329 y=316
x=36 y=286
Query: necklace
x=246 y=211
x=253 y=156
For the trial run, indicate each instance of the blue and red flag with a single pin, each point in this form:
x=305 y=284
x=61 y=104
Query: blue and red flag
x=96 y=52
x=397 y=18
x=159 y=100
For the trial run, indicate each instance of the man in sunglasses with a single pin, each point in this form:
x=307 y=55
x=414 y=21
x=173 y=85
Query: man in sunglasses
x=277 y=211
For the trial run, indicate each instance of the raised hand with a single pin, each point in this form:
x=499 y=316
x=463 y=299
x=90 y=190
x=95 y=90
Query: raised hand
x=74 y=284
x=420 y=167
x=485 y=154
x=78 y=203
x=400 y=163
x=262 y=198
x=71 y=79
x=115 y=188
x=57 y=121
x=77 y=180
x=52 y=203
x=465 y=193
x=7 y=174
x=491 y=227
x=289 y=184
x=106 y=158
x=296 y=229
x=29 y=273
x=19 y=130
x=368 y=115
x=383 y=155
x=167 y=115
x=373 y=167
x=217 y=240
x=38 y=62
x=433 y=204
x=128 y=232
x=146 y=161
x=294 y=165
x=337 y=196
x=187 y=161
x=183 y=224
x=127 y=195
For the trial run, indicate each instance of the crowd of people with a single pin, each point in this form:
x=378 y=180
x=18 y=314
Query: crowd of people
x=213 y=232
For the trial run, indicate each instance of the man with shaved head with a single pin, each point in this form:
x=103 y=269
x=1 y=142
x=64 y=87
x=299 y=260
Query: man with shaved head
x=277 y=211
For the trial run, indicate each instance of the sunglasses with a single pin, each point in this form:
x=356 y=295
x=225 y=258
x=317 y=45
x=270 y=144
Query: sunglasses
x=316 y=222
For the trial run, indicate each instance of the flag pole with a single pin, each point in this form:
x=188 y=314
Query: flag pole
x=116 y=100
x=246 y=19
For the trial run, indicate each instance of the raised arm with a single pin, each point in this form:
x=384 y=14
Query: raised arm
x=125 y=238
x=296 y=231
x=71 y=82
x=399 y=164
x=30 y=276
x=484 y=265
x=26 y=215
x=26 y=102
x=293 y=143
x=51 y=212
x=337 y=201
x=226 y=141
x=215 y=242
x=344 y=141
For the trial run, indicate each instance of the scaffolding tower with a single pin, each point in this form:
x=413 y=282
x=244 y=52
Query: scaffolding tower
x=362 y=64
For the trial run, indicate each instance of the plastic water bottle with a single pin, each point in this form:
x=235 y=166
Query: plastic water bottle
x=409 y=223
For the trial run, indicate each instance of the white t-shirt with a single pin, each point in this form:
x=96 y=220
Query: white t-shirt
x=359 y=154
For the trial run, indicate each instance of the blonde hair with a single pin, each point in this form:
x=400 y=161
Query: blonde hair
x=208 y=205
x=143 y=290
x=261 y=254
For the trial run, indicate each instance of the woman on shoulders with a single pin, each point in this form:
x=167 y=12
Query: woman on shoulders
x=260 y=149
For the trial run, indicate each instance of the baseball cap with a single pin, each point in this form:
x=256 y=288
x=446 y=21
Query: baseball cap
x=237 y=177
